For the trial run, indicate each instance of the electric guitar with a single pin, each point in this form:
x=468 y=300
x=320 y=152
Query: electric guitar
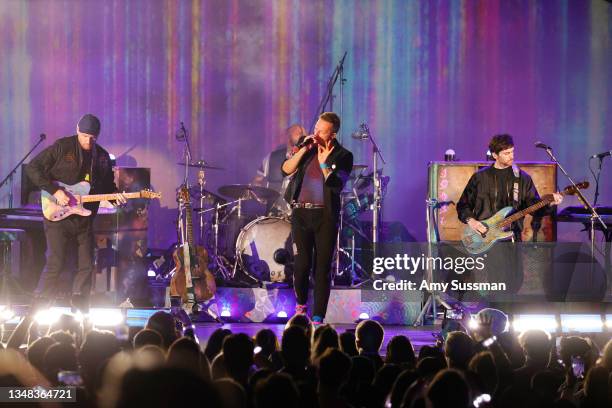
x=497 y=225
x=78 y=194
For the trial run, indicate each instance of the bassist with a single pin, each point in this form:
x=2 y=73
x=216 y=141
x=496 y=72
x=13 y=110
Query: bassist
x=488 y=191
x=498 y=186
x=71 y=160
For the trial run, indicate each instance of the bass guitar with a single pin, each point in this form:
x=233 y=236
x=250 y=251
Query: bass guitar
x=497 y=226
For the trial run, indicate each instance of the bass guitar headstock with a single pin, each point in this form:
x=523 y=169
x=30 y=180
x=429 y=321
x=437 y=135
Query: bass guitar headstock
x=571 y=190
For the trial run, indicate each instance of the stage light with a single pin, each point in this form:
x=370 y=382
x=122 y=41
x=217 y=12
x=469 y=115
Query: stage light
x=139 y=317
x=582 y=323
x=78 y=316
x=364 y=316
x=47 y=317
x=106 y=317
x=226 y=312
x=609 y=321
x=544 y=322
x=257 y=350
x=6 y=313
x=151 y=273
x=473 y=323
x=282 y=314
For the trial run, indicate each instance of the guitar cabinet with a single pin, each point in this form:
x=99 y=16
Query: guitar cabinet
x=447 y=181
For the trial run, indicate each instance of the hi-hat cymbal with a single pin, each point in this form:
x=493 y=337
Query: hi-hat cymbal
x=201 y=164
x=248 y=192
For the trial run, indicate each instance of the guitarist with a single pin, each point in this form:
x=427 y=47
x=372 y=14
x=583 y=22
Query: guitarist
x=491 y=189
x=71 y=160
x=498 y=186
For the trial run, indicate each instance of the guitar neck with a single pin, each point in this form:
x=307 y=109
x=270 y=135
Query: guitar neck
x=533 y=208
x=101 y=197
x=189 y=223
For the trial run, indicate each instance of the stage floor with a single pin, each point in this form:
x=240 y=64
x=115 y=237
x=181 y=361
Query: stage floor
x=419 y=336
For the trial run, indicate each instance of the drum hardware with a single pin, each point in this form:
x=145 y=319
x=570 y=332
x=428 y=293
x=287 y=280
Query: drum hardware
x=248 y=192
x=200 y=164
x=353 y=265
x=221 y=263
x=365 y=134
x=191 y=280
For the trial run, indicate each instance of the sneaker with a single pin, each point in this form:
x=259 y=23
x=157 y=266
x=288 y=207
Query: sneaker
x=301 y=309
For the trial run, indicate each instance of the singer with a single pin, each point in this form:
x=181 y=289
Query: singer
x=318 y=171
x=71 y=160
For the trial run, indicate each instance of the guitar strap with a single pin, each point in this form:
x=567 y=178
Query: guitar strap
x=516 y=186
x=94 y=154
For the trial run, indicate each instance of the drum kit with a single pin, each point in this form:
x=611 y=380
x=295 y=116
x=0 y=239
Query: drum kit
x=250 y=245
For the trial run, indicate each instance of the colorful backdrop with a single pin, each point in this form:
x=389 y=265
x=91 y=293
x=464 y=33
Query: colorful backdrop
x=425 y=76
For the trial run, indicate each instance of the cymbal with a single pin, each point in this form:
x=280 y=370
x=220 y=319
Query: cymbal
x=359 y=166
x=248 y=192
x=195 y=192
x=201 y=164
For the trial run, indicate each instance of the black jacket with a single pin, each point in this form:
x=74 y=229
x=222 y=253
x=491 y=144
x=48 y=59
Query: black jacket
x=478 y=198
x=340 y=161
x=62 y=162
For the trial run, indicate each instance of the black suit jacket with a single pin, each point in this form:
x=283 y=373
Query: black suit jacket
x=340 y=161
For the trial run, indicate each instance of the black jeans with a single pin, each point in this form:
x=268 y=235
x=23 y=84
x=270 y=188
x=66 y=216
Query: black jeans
x=314 y=235
x=67 y=235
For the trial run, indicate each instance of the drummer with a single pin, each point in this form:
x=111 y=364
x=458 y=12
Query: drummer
x=269 y=173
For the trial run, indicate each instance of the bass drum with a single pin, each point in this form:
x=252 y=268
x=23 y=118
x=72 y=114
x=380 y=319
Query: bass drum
x=264 y=250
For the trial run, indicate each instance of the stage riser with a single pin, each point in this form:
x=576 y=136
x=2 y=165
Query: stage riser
x=345 y=305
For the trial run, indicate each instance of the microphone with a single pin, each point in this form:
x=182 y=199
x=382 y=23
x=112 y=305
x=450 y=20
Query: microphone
x=305 y=142
x=541 y=145
x=43 y=136
x=363 y=132
x=602 y=155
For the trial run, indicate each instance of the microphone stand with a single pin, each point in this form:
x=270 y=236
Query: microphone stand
x=596 y=177
x=585 y=203
x=9 y=177
x=338 y=72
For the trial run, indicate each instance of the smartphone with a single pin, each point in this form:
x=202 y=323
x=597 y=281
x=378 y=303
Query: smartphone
x=578 y=366
x=455 y=314
x=70 y=378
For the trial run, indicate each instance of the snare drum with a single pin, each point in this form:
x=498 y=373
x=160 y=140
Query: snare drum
x=264 y=250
